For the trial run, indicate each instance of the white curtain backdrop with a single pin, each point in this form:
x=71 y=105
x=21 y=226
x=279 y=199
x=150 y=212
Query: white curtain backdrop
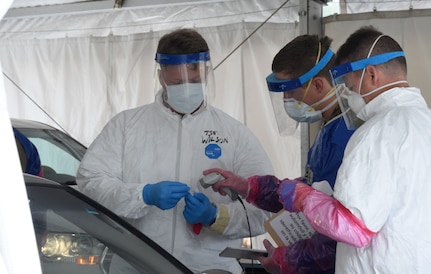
x=82 y=69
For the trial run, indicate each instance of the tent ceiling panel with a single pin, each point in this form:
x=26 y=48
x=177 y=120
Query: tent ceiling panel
x=37 y=7
x=102 y=21
x=361 y=6
x=40 y=3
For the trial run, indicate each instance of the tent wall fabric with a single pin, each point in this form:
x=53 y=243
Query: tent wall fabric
x=410 y=28
x=81 y=69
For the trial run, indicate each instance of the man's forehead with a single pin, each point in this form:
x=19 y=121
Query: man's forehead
x=283 y=75
x=184 y=67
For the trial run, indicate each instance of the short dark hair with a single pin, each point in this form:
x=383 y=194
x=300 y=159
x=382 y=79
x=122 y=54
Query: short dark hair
x=182 y=41
x=359 y=43
x=300 y=55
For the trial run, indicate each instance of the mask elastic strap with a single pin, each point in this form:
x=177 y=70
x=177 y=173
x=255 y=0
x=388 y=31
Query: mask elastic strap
x=368 y=56
x=329 y=105
x=311 y=80
x=327 y=96
x=385 y=86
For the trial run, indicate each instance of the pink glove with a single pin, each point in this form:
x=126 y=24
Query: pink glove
x=273 y=263
x=236 y=183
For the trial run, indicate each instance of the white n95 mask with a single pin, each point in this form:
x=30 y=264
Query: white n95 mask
x=185 y=98
x=302 y=112
x=356 y=101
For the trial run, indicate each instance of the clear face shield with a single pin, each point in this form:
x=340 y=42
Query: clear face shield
x=186 y=81
x=352 y=102
x=287 y=125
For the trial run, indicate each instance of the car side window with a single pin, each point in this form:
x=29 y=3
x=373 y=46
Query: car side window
x=77 y=235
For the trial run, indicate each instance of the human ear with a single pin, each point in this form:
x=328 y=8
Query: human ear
x=372 y=74
x=319 y=85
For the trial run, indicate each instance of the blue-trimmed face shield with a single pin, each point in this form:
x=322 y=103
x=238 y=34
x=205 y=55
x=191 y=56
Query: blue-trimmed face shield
x=277 y=85
x=340 y=71
x=186 y=80
x=286 y=123
x=350 y=101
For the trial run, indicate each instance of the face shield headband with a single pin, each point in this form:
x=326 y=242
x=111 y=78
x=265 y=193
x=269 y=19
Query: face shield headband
x=182 y=59
x=276 y=85
x=341 y=70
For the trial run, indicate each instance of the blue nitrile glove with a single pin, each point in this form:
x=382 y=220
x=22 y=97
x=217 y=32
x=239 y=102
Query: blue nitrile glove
x=164 y=195
x=292 y=193
x=286 y=192
x=199 y=209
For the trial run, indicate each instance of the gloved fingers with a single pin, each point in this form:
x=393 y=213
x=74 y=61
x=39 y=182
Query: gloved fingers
x=199 y=209
x=177 y=187
x=173 y=200
x=191 y=215
x=196 y=201
x=220 y=190
x=174 y=191
x=187 y=212
x=171 y=196
x=268 y=246
x=165 y=194
x=202 y=198
x=234 y=182
x=268 y=262
x=192 y=202
x=176 y=195
x=212 y=170
x=188 y=197
x=190 y=218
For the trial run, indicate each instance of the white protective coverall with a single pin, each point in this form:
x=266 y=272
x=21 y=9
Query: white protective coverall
x=150 y=144
x=384 y=181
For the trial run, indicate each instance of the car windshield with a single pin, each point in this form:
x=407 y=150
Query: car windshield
x=76 y=235
x=59 y=153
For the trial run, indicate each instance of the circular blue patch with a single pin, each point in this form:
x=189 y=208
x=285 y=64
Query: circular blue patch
x=213 y=151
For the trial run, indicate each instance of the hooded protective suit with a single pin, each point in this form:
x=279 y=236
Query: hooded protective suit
x=380 y=212
x=150 y=144
x=383 y=182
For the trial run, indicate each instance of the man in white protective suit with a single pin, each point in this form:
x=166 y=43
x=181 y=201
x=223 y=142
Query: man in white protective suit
x=146 y=163
x=379 y=212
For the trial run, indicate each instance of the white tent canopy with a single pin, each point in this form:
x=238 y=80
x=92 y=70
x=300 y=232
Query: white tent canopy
x=75 y=64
